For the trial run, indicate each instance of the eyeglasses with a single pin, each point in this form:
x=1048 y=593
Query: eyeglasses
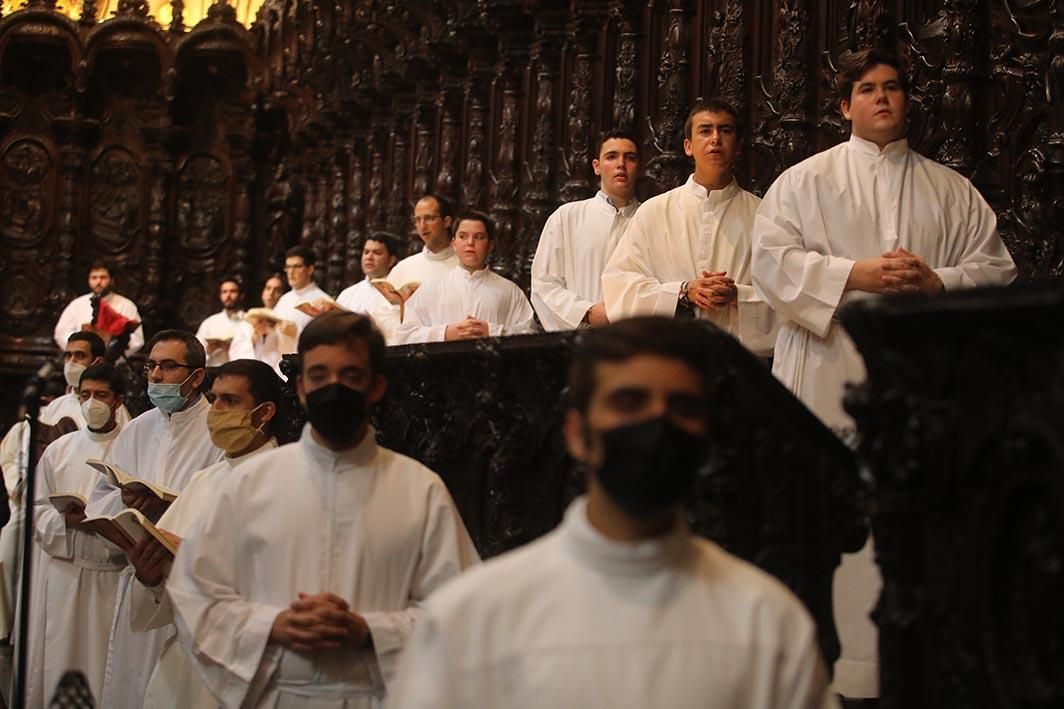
x=167 y=365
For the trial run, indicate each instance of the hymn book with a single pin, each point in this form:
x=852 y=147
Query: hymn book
x=62 y=500
x=395 y=296
x=123 y=480
x=316 y=307
x=127 y=528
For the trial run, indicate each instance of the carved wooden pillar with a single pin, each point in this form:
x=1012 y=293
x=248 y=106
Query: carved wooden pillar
x=447 y=102
x=626 y=67
x=788 y=108
x=961 y=18
x=73 y=158
x=375 y=214
x=424 y=147
x=160 y=176
x=583 y=40
x=503 y=196
x=355 y=213
x=726 y=64
x=476 y=138
x=398 y=204
x=336 y=240
x=669 y=167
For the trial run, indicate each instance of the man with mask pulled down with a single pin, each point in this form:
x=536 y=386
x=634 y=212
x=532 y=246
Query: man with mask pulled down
x=621 y=606
x=164 y=445
x=75 y=571
x=300 y=585
x=246 y=397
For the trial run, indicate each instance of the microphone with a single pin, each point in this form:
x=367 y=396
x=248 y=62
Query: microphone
x=36 y=384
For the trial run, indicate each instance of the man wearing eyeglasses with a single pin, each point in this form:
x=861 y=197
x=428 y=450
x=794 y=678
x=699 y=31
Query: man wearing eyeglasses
x=433 y=218
x=165 y=446
x=299 y=269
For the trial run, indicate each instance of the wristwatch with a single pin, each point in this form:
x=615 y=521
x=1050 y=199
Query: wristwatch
x=684 y=300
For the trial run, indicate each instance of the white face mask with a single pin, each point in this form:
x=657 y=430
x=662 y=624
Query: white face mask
x=97 y=414
x=72 y=373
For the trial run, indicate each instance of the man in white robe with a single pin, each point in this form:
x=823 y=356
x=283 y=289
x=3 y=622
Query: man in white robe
x=299 y=268
x=688 y=249
x=300 y=585
x=578 y=238
x=216 y=332
x=83 y=349
x=378 y=258
x=247 y=395
x=433 y=219
x=259 y=337
x=78 y=313
x=471 y=301
x=164 y=445
x=868 y=216
x=621 y=606
x=75 y=572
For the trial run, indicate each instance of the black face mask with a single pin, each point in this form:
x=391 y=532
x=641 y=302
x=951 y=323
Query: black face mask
x=649 y=466
x=336 y=412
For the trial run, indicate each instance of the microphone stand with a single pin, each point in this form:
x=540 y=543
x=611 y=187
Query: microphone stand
x=31 y=399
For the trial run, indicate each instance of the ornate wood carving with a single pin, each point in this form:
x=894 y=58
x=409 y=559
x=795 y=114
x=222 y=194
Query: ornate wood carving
x=669 y=167
x=626 y=71
x=784 y=127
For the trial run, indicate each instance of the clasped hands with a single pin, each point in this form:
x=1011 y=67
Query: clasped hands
x=319 y=622
x=713 y=290
x=467 y=329
x=897 y=271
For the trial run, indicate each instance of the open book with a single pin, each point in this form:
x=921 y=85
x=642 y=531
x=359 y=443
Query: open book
x=126 y=529
x=121 y=479
x=62 y=500
x=261 y=314
x=395 y=296
x=316 y=307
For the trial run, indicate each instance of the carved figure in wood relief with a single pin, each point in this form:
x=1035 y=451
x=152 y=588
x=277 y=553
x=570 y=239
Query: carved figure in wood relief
x=115 y=200
x=448 y=152
x=202 y=204
x=28 y=176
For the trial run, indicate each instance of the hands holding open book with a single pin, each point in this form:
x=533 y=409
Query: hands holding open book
x=151 y=560
x=150 y=505
x=74 y=515
x=319 y=622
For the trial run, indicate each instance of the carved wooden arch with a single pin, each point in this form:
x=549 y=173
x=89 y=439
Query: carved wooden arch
x=40 y=26
x=221 y=34
x=128 y=34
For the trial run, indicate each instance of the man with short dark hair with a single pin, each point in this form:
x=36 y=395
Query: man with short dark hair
x=246 y=398
x=260 y=336
x=578 y=238
x=77 y=315
x=83 y=349
x=869 y=216
x=299 y=268
x=472 y=300
x=165 y=446
x=76 y=573
x=302 y=581
x=621 y=606
x=216 y=332
x=378 y=258
x=687 y=251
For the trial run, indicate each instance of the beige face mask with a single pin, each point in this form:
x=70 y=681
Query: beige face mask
x=232 y=431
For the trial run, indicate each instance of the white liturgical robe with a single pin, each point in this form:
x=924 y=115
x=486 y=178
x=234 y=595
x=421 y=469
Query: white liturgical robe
x=267 y=348
x=573 y=248
x=482 y=294
x=374 y=527
x=166 y=450
x=79 y=312
x=676 y=236
x=847 y=203
x=361 y=298
x=220 y=326
x=421 y=268
x=577 y=620
x=286 y=306
x=68 y=406
x=75 y=574
x=855 y=202
x=174 y=682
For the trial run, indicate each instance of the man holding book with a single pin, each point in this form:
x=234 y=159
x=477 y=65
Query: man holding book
x=247 y=396
x=301 y=583
x=216 y=332
x=378 y=258
x=299 y=268
x=164 y=446
x=75 y=572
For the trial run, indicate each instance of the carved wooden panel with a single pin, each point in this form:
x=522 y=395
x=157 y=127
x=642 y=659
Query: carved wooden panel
x=961 y=425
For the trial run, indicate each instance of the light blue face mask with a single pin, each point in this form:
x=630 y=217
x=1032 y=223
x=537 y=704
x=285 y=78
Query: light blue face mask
x=168 y=397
